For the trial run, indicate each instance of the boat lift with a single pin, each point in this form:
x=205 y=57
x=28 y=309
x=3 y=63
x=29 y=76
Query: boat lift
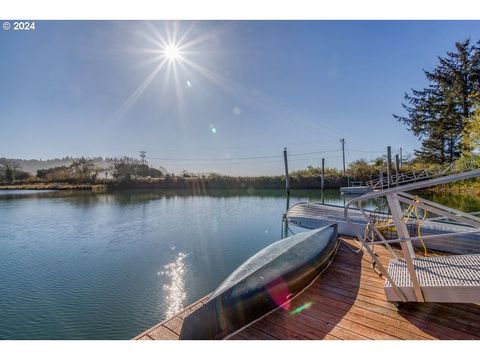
x=414 y=278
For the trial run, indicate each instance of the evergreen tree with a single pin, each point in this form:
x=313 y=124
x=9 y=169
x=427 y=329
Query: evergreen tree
x=437 y=115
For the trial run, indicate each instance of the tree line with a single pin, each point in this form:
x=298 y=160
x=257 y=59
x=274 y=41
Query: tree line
x=445 y=114
x=82 y=170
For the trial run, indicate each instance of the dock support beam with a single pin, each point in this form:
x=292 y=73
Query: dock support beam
x=287 y=180
x=407 y=248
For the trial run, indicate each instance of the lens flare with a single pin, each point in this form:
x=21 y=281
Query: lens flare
x=301 y=308
x=279 y=293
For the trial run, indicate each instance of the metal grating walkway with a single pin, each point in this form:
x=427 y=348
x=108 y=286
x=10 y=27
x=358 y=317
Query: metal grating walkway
x=441 y=278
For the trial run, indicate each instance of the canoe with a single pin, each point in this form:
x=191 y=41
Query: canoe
x=268 y=280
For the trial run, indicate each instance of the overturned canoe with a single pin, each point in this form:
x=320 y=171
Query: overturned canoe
x=265 y=282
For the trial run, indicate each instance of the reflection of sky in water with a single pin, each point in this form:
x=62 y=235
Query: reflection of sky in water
x=110 y=246
x=175 y=288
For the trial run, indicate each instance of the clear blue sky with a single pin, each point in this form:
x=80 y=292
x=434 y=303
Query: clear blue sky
x=240 y=90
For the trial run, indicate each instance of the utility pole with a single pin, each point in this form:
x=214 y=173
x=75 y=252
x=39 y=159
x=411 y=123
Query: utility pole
x=343 y=153
x=401 y=158
x=142 y=155
x=287 y=180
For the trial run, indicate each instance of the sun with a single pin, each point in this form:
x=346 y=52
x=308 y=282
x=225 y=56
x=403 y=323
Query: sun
x=172 y=52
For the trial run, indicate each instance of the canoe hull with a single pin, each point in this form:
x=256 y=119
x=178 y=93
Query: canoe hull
x=239 y=302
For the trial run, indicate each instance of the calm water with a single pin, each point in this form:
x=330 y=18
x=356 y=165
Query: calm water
x=110 y=265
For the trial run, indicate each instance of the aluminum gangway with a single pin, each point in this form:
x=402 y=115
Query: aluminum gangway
x=407 y=178
x=415 y=278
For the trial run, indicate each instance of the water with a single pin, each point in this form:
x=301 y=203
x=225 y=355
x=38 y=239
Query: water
x=109 y=265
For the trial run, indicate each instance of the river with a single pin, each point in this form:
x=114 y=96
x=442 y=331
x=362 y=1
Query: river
x=85 y=265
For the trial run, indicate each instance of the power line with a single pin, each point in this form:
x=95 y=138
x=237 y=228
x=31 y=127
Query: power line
x=316 y=152
x=260 y=161
x=367 y=151
x=216 y=159
x=242 y=158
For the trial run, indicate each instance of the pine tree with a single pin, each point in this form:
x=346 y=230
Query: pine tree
x=437 y=115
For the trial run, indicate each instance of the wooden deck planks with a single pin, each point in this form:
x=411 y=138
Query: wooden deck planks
x=348 y=302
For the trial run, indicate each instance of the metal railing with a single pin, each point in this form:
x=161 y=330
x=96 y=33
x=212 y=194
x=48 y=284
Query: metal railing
x=395 y=198
x=407 y=178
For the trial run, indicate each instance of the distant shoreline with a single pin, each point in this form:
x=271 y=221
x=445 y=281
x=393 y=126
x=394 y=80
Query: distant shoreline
x=200 y=184
x=54 y=186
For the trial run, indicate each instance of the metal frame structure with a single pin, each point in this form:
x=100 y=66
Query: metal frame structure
x=411 y=278
x=406 y=178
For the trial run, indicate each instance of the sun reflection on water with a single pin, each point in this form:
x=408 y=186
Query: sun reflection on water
x=176 y=287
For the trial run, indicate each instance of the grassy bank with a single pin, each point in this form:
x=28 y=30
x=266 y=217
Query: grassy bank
x=467 y=187
x=184 y=183
x=53 y=186
x=226 y=183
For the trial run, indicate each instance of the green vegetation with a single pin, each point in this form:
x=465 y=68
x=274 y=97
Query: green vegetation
x=10 y=171
x=80 y=171
x=440 y=115
x=445 y=116
x=127 y=168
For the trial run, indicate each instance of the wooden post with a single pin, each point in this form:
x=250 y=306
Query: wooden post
x=401 y=158
x=287 y=180
x=389 y=166
x=323 y=174
x=397 y=168
x=285 y=221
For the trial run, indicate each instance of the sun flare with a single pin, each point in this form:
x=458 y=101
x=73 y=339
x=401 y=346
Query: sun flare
x=172 y=52
x=169 y=51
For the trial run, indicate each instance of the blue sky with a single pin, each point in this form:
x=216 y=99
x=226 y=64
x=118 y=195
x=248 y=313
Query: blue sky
x=239 y=90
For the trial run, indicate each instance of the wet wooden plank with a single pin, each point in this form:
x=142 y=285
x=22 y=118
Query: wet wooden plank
x=252 y=332
x=162 y=333
x=145 y=337
x=174 y=325
x=348 y=302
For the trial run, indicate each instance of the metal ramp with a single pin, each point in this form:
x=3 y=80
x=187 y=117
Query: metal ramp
x=454 y=279
x=442 y=279
x=406 y=178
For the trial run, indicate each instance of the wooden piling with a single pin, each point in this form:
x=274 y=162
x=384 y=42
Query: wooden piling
x=323 y=174
x=389 y=166
x=397 y=167
x=287 y=180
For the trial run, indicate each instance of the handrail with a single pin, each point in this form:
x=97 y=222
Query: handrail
x=397 y=195
x=407 y=177
x=415 y=186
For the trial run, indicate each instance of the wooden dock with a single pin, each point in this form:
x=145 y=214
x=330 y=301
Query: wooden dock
x=347 y=302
